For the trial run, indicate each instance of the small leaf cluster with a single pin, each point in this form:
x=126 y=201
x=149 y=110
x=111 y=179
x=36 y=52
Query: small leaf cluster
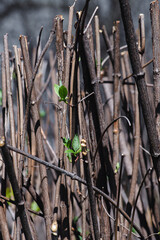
x=117 y=167
x=74 y=147
x=35 y=207
x=61 y=92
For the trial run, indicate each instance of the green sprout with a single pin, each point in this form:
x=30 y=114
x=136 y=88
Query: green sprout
x=117 y=167
x=61 y=92
x=74 y=147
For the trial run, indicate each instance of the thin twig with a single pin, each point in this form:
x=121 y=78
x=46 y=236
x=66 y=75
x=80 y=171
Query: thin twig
x=38 y=44
x=145 y=65
x=135 y=204
x=118 y=197
x=145 y=150
x=31 y=80
x=107 y=129
x=46 y=84
x=85 y=30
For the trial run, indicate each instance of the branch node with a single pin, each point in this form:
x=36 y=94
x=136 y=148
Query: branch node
x=139 y=75
x=2 y=141
x=21 y=203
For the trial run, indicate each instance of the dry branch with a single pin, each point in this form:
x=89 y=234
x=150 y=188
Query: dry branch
x=141 y=85
x=77 y=178
x=17 y=193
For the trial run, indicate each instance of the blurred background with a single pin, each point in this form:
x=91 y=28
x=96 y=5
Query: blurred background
x=27 y=16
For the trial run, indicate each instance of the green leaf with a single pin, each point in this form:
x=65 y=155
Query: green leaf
x=80 y=231
x=133 y=230
x=63 y=92
x=9 y=193
x=56 y=89
x=78 y=151
x=75 y=219
x=14 y=75
x=35 y=207
x=70 y=151
x=69 y=156
x=67 y=142
x=117 y=167
x=76 y=143
x=42 y=113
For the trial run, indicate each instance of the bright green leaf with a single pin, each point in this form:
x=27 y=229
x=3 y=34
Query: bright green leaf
x=70 y=151
x=62 y=100
x=9 y=193
x=78 y=151
x=76 y=143
x=117 y=167
x=63 y=92
x=133 y=230
x=35 y=207
x=56 y=89
x=69 y=156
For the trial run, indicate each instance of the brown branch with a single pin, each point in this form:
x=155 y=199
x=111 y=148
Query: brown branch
x=3 y=223
x=132 y=74
x=107 y=129
x=135 y=204
x=116 y=95
x=107 y=42
x=118 y=197
x=86 y=55
x=9 y=96
x=98 y=48
x=77 y=178
x=37 y=129
x=141 y=85
x=31 y=76
x=17 y=193
x=38 y=44
x=155 y=23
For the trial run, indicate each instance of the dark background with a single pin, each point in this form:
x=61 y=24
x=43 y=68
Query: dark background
x=27 y=16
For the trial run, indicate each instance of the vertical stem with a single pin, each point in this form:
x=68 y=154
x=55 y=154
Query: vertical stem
x=20 y=96
x=83 y=202
x=155 y=23
x=116 y=96
x=59 y=47
x=68 y=50
x=39 y=142
x=140 y=187
x=141 y=85
x=99 y=108
x=108 y=45
x=118 y=198
x=98 y=49
x=16 y=190
x=3 y=223
x=10 y=102
x=116 y=99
